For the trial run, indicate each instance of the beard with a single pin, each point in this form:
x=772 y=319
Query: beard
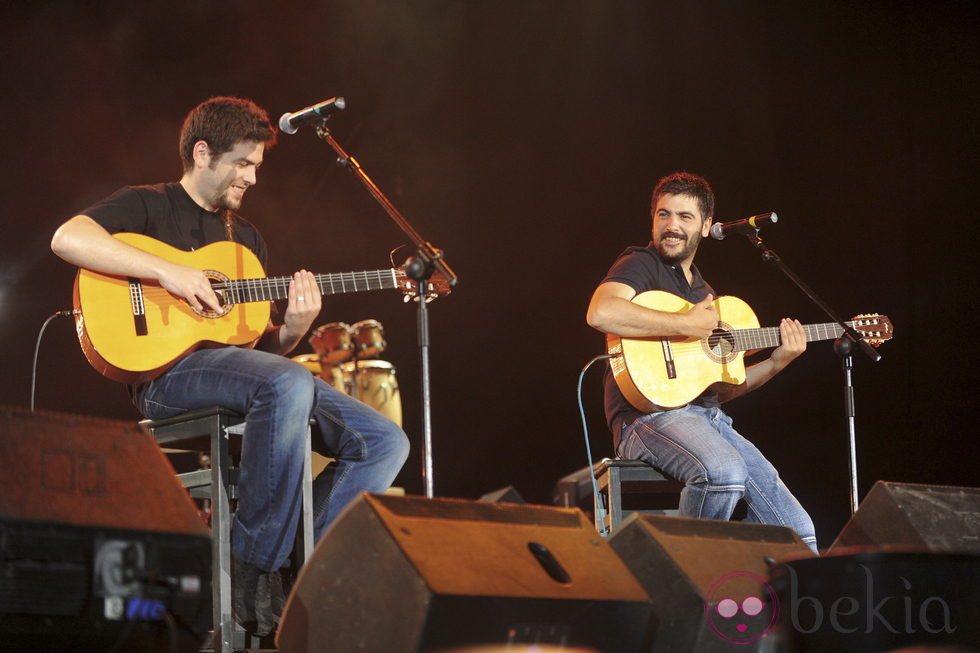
x=227 y=201
x=686 y=249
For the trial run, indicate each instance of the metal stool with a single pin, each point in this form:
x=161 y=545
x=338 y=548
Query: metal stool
x=210 y=430
x=616 y=477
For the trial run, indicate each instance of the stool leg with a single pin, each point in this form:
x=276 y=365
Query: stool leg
x=610 y=493
x=601 y=499
x=304 y=536
x=224 y=625
x=615 y=492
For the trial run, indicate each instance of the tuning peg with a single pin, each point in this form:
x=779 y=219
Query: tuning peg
x=415 y=297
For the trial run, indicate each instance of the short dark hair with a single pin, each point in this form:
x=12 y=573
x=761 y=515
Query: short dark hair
x=223 y=122
x=684 y=183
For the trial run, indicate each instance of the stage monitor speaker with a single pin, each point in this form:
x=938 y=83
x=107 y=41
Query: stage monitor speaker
x=937 y=518
x=706 y=578
x=507 y=494
x=100 y=547
x=405 y=574
x=574 y=490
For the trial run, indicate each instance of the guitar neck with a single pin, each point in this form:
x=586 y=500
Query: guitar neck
x=767 y=337
x=240 y=291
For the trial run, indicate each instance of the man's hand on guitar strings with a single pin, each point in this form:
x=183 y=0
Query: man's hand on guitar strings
x=703 y=318
x=191 y=284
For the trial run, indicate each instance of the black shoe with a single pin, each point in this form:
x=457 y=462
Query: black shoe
x=257 y=597
x=269 y=603
x=244 y=585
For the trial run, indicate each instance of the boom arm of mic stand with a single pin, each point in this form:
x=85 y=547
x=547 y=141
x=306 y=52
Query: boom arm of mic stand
x=429 y=254
x=429 y=258
x=771 y=257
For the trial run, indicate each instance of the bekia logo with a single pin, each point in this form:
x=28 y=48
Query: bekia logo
x=741 y=608
x=872 y=605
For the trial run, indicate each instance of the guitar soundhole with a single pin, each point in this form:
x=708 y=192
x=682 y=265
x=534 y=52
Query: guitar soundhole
x=720 y=346
x=217 y=278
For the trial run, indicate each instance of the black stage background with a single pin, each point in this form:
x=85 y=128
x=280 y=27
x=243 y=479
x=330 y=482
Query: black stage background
x=523 y=138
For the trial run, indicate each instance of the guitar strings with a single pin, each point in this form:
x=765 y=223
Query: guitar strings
x=765 y=337
x=258 y=289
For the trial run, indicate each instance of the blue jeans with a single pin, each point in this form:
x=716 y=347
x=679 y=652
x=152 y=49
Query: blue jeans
x=698 y=446
x=278 y=396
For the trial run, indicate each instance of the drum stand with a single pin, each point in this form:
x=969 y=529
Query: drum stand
x=843 y=347
x=428 y=260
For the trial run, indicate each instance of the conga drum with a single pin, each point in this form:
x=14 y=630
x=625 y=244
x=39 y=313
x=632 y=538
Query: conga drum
x=310 y=362
x=332 y=374
x=374 y=383
x=369 y=338
x=332 y=342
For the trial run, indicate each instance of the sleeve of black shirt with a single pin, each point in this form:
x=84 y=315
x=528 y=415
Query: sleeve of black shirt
x=630 y=269
x=124 y=210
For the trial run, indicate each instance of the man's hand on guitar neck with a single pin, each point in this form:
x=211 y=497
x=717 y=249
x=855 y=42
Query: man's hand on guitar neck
x=303 y=305
x=793 y=343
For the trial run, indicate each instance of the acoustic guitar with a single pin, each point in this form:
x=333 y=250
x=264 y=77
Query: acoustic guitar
x=660 y=373
x=132 y=330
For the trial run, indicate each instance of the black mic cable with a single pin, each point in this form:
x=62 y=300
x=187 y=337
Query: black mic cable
x=37 y=348
x=600 y=513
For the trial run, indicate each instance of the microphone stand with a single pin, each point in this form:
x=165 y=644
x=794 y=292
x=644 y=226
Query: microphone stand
x=421 y=267
x=843 y=346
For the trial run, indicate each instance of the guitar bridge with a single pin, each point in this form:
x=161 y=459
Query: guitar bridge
x=137 y=305
x=668 y=358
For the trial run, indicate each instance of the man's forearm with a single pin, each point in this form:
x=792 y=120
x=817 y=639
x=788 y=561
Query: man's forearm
x=278 y=340
x=755 y=377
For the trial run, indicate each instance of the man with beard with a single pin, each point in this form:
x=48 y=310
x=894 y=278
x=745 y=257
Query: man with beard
x=696 y=443
x=222 y=144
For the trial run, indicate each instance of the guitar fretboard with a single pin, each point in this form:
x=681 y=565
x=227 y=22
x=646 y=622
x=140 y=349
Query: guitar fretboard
x=239 y=291
x=764 y=338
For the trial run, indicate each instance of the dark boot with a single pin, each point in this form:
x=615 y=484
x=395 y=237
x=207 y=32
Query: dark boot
x=257 y=597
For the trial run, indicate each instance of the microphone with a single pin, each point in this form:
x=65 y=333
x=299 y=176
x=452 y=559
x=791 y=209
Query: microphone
x=747 y=226
x=317 y=113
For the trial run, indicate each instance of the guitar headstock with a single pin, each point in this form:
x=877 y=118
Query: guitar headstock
x=438 y=286
x=875 y=328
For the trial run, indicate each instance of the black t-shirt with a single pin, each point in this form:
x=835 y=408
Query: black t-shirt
x=642 y=269
x=166 y=212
